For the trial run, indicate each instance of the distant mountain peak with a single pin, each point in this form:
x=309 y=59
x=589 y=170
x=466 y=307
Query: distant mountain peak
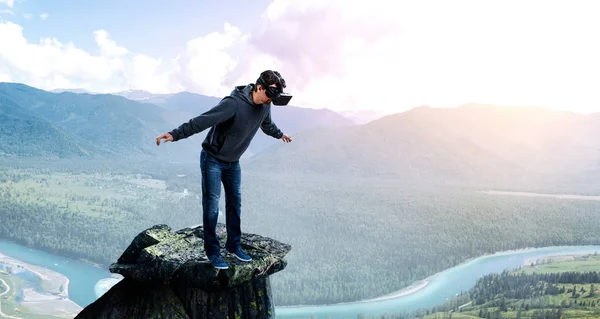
x=132 y=91
x=72 y=90
x=140 y=95
x=362 y=116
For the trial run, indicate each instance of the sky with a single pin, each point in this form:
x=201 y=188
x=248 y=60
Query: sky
x=379 y=55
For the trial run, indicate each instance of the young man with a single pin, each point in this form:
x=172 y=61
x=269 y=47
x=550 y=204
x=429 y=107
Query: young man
x=233 y=122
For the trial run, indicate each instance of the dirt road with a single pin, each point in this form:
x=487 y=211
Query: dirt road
x=2 y=294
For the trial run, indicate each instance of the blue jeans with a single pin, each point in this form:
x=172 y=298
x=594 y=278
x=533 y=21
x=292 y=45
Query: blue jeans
x=215 y=172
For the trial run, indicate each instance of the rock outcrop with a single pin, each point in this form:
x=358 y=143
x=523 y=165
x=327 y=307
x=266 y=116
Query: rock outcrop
x=167 y=275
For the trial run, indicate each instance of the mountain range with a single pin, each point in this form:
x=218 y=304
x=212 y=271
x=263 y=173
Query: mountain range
x=109 y=125
x=476 y=144
x=290 y=119
x=93 y=125
x=189 y=102
x=481 y=144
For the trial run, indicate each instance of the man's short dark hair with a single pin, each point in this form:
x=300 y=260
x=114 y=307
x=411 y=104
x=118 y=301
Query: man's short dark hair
x=271 y=77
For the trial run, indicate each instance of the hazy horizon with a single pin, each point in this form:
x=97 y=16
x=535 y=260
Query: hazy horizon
x=340 y=111
x=428 y=53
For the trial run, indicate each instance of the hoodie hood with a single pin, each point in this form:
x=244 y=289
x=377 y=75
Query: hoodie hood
x=244 y=92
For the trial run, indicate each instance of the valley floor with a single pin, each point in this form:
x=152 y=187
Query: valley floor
x=583 y=303
x=51 y=300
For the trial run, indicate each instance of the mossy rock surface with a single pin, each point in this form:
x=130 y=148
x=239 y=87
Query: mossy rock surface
x=167 y=275
x=161 y=254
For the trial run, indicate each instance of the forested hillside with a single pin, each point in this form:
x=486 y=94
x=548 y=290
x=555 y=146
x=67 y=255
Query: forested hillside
x=476 y=145
x=330 y=225
x=26 y=135
x=98 y=126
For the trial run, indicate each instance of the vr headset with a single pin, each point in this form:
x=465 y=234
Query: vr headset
x=276 y=94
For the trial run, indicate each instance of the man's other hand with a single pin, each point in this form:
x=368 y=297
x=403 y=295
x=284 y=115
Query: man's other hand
x=166 y=136
x=286 y=138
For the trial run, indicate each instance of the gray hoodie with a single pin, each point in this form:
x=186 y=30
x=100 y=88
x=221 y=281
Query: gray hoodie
x=233 y=122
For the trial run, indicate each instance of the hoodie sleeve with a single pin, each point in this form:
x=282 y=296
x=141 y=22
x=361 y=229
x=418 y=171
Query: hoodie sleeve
x=218 y=114
x=269 y=127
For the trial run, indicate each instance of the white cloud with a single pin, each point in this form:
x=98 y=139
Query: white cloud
x=433 y=52
x=108 y=46
x=38 y=64
x=51 y=64
x=9 y=3
x=5 y=77
x=44 y=16
x=205 y=63
x=143 y=72
x=356 y=55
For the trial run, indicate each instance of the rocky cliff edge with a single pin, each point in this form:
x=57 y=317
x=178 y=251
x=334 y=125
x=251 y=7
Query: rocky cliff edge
x=167 y=275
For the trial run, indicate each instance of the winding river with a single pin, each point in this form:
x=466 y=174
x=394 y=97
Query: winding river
x=87 y=282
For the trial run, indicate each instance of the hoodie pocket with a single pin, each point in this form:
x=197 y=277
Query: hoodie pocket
x=228 y=142
x=222 y=143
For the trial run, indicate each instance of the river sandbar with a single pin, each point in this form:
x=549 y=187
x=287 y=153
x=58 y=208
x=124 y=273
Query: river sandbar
x=53 y=299
x=401 y=293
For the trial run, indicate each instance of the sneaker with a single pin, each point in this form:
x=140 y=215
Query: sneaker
x=241 y=255
x=218 y=262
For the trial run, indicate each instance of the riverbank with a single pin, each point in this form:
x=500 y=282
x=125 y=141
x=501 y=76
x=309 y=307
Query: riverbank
x=532 y=194
x=401 y=293
x=48 y=296
x=556 y=259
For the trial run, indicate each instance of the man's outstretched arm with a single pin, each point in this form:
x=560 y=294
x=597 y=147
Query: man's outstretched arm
x=269 y=128
x=220 y=113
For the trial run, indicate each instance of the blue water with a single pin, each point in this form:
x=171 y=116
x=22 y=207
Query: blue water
x=442 y=286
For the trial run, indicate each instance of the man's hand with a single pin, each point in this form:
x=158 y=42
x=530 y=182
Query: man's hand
x=286 y=138
x=166 y=136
